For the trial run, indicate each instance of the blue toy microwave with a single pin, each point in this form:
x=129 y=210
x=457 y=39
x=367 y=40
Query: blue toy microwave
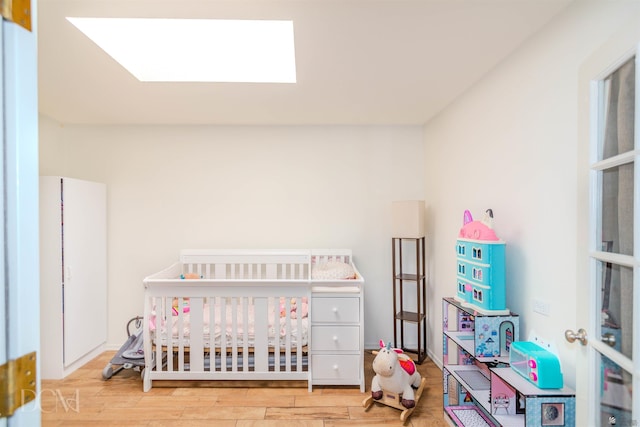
x=539 y=366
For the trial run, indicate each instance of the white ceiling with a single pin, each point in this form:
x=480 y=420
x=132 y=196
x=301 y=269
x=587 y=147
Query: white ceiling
x=358 y=61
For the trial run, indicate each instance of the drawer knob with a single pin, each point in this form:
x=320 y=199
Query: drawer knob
x=335 y=338
x=335 y=367
x=335 y=309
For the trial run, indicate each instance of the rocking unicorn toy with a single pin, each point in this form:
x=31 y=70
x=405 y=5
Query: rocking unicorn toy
x=397 y=382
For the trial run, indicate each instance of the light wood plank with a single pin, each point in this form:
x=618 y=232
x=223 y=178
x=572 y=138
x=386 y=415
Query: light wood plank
x=120 y=401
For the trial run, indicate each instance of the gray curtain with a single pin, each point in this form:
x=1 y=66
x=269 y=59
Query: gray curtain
x=617 y=218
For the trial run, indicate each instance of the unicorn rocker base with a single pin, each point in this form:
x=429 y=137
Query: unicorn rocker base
x=397 y=382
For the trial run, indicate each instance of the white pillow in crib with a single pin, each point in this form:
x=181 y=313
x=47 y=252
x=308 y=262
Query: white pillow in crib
x=332 y=270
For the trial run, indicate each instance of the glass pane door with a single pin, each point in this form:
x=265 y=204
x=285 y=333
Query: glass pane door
x=613 y=258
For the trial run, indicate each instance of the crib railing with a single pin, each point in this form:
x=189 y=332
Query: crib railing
x=211 y=331
x=243 y=264
x=326 y=255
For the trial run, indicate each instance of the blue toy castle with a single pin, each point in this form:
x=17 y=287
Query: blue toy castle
x=481 y=266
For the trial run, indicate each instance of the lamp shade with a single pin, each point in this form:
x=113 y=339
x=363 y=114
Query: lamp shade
x=407 y=218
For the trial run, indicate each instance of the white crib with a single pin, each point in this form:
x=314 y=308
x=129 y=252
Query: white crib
x=255 y=315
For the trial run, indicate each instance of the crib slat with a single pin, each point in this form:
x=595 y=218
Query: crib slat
x=212 y=335
x=196 y=352
x=271 y=271
x=246 y=307
x=168 y=333
x=261 y=330
x=234 y=337
x=223 y=334
x=180 y=323
x=287 y=337
x=216 y=313
x=157 y=303
x=275 y=306
x=219 y=271
x=290 y=356
x=299 y=335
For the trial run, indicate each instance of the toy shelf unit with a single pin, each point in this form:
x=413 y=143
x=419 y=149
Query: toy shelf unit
x=479 y=386
x=504 y=398
x=480 y=336
x=473 y=343
x=514 y=401
x=409 y=276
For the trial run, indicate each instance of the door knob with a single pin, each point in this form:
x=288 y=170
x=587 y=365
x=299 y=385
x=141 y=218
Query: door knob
x=581 y=336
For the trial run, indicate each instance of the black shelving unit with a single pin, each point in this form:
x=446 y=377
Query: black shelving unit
x=401 y=279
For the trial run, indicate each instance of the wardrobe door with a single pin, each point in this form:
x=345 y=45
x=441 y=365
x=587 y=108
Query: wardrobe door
x=84 y=251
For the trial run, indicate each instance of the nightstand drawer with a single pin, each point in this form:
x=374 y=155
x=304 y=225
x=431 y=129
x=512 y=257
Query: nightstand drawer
x=335 y=338
x=334 y=366
x=343 y=310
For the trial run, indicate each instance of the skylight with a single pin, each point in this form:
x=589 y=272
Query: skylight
x=197 y=50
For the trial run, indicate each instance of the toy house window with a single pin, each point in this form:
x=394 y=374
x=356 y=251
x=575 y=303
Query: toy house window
x=461 y=268
x=461 y=287
x=477 y=274
x=477 y=253
x=460 y=249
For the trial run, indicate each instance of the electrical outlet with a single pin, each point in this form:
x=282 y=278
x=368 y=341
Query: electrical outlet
x=542 y=307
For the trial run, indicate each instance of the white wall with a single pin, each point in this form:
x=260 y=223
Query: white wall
x=511 y=144
x=179 y=187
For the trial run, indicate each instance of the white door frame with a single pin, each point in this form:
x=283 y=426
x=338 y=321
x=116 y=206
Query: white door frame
x=3 y=302
x=20 y=300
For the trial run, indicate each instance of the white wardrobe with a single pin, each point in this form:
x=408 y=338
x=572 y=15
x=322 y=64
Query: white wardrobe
x=73 y=273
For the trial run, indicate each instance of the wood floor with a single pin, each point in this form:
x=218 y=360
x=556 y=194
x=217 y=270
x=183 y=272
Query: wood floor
x=85 y=399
